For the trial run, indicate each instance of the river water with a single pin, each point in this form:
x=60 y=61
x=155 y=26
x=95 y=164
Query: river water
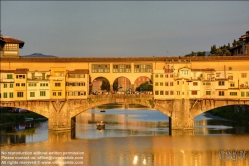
x=134 y=136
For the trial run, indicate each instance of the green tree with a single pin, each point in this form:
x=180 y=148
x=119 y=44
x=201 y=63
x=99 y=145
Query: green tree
x=213 y=49
x=219 y=52
x=146 y=86
x=201 y=53
x=105 y=84
x=115 y=85
x=227 y=53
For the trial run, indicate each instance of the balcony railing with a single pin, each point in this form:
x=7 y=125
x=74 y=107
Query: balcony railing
x=7 y=80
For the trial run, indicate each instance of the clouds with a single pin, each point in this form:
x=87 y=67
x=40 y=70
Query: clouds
x=133 y=28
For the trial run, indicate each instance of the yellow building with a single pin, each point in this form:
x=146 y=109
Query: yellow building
x=77 y=84
x=7 y=85
x=163 y=84
x=38 y=85
x=58 y=83
x=20 y=85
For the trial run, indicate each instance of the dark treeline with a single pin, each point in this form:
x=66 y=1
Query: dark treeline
x=220 y=51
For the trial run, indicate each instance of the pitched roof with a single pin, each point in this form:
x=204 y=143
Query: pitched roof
x=8 y=39
x=21 y=71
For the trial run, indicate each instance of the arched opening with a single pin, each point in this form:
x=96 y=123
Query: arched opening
x=121 y=120
x=230 y=119
x=19 y=125
x=122 y=85
x=143 y=84
x=100 y=85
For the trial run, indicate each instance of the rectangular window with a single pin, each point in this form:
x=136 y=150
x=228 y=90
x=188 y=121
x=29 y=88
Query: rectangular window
x=23 y=84
x=9 y=76
x=57 y=84
x=11 y=85
x=32 y=94
x=161 y=76
x=195 y=83
x=33 y=76
x=242 y=94
x=233 y=93
x=171 y=92
x=121 y=68
x=5 y=95
x=221 y=93
x=171 y=83
x=194 y=92
x=11 y=95
x=17 y=84
x=161 y=92
x=54 y=93
x=208 y=92
x=184 y=72
x=231 y=84
x=161 y=83
x=43 y=76
x=100 y=68
x=166 y=84
x=247 y=94
x=19 y=94
x=221 y=83
x=156 y=92
x=11 y=47
x=178 y=93
x=166 y=75
x=156 y=76
x=5 y=85
x=156 y=83
x=230 y=77
x=166 y=92
x=243 y=75
x=177 y=82
x=142 y=68
x=59 y=93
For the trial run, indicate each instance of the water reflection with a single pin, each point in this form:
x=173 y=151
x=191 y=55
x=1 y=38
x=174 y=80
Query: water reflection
x=121 y=122
x=25 y=132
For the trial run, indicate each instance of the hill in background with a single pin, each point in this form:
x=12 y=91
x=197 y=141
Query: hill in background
x=38 y=55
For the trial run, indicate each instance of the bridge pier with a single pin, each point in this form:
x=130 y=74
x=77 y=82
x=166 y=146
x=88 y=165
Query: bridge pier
x=181 y=115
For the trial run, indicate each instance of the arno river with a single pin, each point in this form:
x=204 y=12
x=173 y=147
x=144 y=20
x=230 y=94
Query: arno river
x=134 y=136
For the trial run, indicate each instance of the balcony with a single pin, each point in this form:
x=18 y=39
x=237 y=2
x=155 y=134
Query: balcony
x=7 y=80
x=57 y=78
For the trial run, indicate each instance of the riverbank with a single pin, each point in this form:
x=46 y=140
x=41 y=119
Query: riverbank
x=232 y=113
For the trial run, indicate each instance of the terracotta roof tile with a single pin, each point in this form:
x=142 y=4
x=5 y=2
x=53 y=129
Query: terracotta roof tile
x=21 y=71
x=13 y=40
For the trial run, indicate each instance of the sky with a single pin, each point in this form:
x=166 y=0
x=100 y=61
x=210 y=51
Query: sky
x=123 y=29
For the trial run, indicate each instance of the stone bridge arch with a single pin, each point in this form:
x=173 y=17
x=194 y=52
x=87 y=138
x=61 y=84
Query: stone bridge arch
x=203 y=105
x=122 y=83
x=97 y=82
x=97 y=100
x=40 y=107
x=140 y=80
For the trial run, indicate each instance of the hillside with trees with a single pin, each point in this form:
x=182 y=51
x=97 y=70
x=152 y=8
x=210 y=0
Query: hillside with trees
x=220 y=51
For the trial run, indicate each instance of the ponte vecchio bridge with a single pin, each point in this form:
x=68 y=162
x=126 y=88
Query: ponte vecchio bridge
x=183 y=87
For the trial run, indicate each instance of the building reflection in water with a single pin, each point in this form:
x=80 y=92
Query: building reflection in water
x=23 y=133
